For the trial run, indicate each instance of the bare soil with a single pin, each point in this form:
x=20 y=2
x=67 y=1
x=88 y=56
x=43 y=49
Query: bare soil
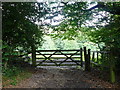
x=63 y=78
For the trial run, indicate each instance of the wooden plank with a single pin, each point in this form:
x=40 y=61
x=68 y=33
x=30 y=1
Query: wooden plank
x=55 y=65
x=101 y=51
x=99 y=65
x=56 y=50
x=59 y=54
x=58 y=58
x=94 y=63
x=47 y=61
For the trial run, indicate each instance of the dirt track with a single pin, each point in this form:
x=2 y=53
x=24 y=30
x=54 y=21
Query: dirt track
x=62 y=78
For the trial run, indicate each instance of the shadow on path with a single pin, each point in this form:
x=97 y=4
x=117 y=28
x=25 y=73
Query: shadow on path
x=62 y=78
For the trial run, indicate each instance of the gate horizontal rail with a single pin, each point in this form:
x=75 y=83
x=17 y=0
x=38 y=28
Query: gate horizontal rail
x=56 y=50
x=58 y=57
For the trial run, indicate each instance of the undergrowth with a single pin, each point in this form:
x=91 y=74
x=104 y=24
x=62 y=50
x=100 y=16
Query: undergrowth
x=14 y=75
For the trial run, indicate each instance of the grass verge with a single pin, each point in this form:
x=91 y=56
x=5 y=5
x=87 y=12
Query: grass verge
x=15 y=76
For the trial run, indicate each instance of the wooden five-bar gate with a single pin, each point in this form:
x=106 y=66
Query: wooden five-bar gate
x=57 y=57
x=79 y=57
x=82 y=57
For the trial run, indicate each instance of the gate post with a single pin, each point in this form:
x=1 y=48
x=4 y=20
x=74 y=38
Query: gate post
x=81 y=57
x=112 y=67
x=33 y=56
x=85 y=54
x=87 y=59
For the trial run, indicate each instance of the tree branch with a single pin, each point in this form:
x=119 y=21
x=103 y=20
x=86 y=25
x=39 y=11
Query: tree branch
x=112 y=10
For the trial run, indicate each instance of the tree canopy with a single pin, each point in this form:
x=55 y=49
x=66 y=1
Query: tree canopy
x=19 y=31
x=99 y=22
x=19 y=28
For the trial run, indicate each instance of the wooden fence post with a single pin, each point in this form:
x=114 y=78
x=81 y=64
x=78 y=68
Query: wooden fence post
x=33 y=56
x=97 y=57
x=88 y=61
x=112 y=67
x=85 y=58
x=81 y=57
x=93 y=59
x=93 y=56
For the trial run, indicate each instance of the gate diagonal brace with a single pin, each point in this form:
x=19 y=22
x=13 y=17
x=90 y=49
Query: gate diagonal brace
x=65 y=59
x=43 y=60
x=52 y=60
x=72 y=59
x=62 y=61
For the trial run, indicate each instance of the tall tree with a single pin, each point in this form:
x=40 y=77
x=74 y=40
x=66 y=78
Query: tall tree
x=19 y=28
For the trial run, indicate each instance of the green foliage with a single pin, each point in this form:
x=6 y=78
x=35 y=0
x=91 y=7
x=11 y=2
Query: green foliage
x=8 y=55
x=48 y=43
x=65 y=31
x=75 y=13
x=109 y=34
x=100 y=23
x=14 y=82
x=59 y=43
x=19 y=28
x=19 y=31
x=11 y=71
x=14 y=75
